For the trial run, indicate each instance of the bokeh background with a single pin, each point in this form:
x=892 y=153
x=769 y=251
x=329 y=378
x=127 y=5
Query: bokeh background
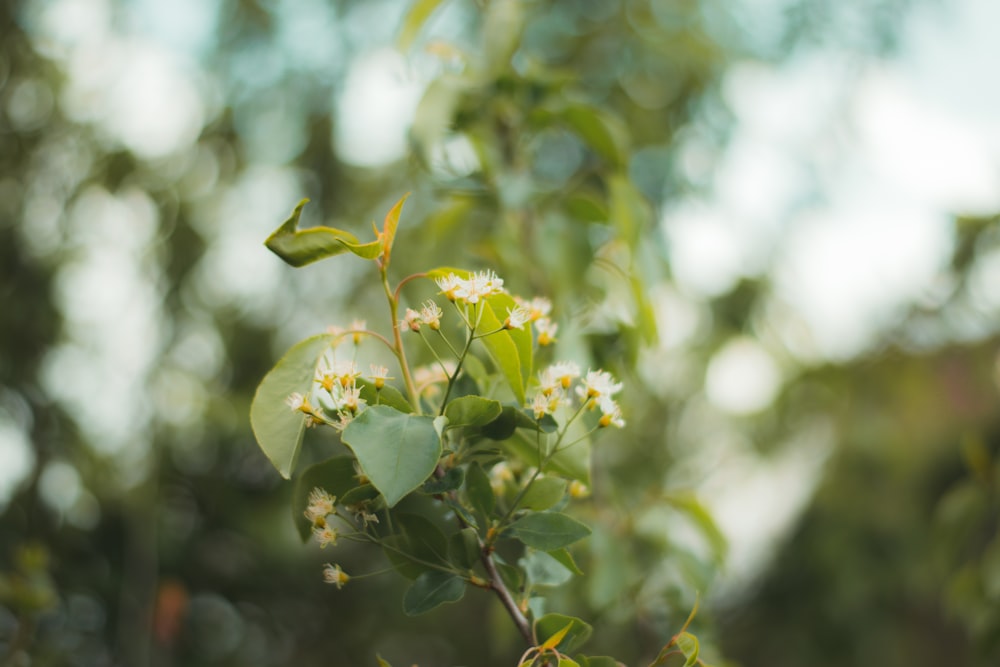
x=776 y=220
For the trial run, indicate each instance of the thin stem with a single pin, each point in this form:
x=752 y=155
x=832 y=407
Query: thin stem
x=397 y=337
x=458 y=369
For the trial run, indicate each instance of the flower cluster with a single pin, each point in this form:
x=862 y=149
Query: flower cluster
x=429 y=314
x=538 y=310
x=473 y=289
x=336 y=397
x=594 y=391
x=321 y=505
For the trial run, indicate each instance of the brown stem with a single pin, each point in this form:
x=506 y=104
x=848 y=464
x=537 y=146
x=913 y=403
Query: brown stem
x=500 y=588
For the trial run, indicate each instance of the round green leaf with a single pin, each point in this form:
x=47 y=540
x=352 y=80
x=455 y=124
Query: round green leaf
x=431 y=589
x=397 y=452
x=472 y=411
x=479 y=491
x=544 y=493
x=278 y=429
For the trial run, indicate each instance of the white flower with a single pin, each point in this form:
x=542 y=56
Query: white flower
x=351 y=399
x=298 y=403
x=357 y=327
x=546 y=329
x=320 y=505
x=449 y=286
x=479 y=286
x=537 y=308
x=332 y=574
x=325 y=534
x=379 y=374
x=516 y=318
x=430 y=315
x=598 y=384
x=562 y=373
x=411 y=320
x=611 y=414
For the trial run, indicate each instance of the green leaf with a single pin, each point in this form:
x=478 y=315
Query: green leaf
x=449 y=482
x=689 y=504
x=544 y=493
x=550 y=624
x=463 y=548
x=381 y=662
x=503 y=346
x=387 y=395
x=336 y=476
x=566 y=560
x=598 y=661
x=479 y=491
x=363 y=493
x=417 y=548
x=299 y=247
x=541 y=569
x=604 y=133
x=431 y=589
x=547 y=531
x=397 y=452
x=586 y=208
x=688 y=644
x=278 y=429
x=472 y=411
x=503 y=427
x=419 y=12
x=568 y=662
x=501 y=305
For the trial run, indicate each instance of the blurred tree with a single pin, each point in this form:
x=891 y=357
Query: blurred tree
x=544 y=147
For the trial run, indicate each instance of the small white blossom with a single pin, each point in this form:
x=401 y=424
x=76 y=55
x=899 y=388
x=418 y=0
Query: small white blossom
x=357 y=327
x=563 y=373
x=351 y=399
x=332 y=574
x=449 y=286
x=325 y=534
x=546 y=329
x=320 y=505
x=379 y=374
x=298 y=403
x=479 y=286
x=598 y=384
x=537 y=308
x=411 y=320
x=430 y=314
x=611 y=414
x=516 y=318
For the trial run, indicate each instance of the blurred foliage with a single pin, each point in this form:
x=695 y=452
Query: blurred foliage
x=160 y=535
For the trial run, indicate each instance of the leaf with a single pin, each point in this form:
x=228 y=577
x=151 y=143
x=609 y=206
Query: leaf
x=600 y=661
x=278 y=429
x=431 y=589
x=417 y=548
x=554 y=640
x=419 y=12
x=547 y=531
x=578 y=631
x=567 y=662
x=397 y=452
x=387 y=395
x=689 y=504
x=503 y=348
x=336 y=476
x=463 y=548
x=381 y=662
x=299 y=247
x=449 y=482
x=472 y=411
x=541 y=569
x=604 y=133
x=479 y=491
x=566 y=560
x=501 y=305
x=544 y=493
x=688 y=644
x=389 y=227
